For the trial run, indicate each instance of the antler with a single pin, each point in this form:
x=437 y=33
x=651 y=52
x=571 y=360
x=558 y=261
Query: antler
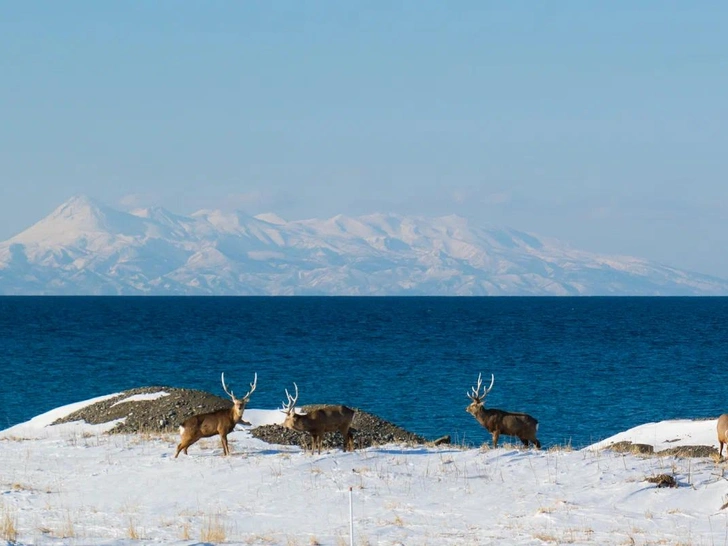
x=490 y=388
x=224 y=387
x=291 y=404
x=230 y=393
x=252 y=386
x=474 y=393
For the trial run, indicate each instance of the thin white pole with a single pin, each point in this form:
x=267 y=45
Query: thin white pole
x=351 y=518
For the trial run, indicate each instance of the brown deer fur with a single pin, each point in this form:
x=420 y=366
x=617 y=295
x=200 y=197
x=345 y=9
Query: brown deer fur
x=497 y=422
x=520 y=425
x=220 y=422
x=323 y=420
x=722 y=432
x=319 y=421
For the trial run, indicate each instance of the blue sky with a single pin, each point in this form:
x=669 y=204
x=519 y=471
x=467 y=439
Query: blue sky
x=602 y=124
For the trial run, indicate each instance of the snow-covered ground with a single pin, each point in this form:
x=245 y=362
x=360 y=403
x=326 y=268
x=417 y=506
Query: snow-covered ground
x=73 y=484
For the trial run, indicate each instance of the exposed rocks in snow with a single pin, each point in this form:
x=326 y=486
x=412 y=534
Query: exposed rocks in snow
x=165 y=413
x=678 y=451
x=367 y=429
x=162 y=414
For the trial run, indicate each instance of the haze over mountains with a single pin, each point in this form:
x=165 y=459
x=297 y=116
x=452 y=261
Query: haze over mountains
x=85 y=248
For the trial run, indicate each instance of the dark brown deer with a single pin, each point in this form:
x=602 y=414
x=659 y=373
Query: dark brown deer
x=319 y=421
x=520 y=425
x=722 y=432
x=220 y=422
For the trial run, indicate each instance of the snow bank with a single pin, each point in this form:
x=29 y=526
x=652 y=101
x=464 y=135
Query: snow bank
x=667 y=434
x=70 y=484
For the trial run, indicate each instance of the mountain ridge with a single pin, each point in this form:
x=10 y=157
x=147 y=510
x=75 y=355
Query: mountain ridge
x=84 y=247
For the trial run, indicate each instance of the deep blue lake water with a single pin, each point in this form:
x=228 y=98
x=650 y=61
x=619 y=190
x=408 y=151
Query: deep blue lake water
x=586 y=368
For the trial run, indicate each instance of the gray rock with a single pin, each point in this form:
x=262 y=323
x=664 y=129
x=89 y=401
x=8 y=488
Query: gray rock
x=163 y=414
x=166 y=413
x=367 y=429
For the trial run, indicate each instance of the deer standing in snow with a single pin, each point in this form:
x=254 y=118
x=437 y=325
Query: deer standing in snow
x=722 y=432
x=498 y=422
x=319 y=421
x=220 y=422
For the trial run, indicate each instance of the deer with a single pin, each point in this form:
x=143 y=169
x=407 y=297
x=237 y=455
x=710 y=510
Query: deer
x=722 y=427
x=319 y=421
x=497 y=422
x=220 y=422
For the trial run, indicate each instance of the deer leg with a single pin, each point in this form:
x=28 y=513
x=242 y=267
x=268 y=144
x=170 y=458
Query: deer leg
x=345 y=437
x=525 y=441
x=496 y=434
x=720 y=452
x=537 y=443
x=182 y=446
x=225 y=448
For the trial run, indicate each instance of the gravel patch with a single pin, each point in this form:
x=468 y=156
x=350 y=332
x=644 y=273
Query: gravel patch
x=163 y=414
x=626 y=446
x=367 y=429
x=690 y=451
x=678 y=451
x=166 y=413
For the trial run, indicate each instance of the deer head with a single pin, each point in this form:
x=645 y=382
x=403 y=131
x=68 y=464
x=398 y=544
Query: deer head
x=477 y=399
x=239 y=403
x=289 y=408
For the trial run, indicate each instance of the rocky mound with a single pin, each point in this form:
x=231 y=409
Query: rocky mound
x=690 y=451
x=679 y=451
x=166 y=413
x=163 y=414
x=366 y=428
x=626 y=446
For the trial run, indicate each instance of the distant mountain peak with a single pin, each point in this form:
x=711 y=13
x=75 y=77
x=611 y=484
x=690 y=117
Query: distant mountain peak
x=80 y=199
x=271 y=218
x=79 y=214
x=78 y=206
x=85 y=247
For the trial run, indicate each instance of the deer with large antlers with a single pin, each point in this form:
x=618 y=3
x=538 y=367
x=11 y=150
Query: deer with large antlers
x=319 y=421
x=220 y=422
x=498 y=422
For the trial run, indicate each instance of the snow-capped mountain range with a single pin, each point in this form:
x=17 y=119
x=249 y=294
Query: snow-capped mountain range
x=84 y=247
